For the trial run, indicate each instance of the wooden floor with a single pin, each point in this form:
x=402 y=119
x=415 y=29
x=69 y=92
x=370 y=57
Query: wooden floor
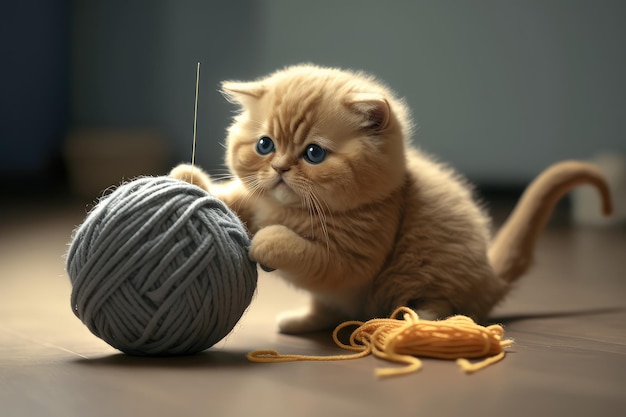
x=567 y=316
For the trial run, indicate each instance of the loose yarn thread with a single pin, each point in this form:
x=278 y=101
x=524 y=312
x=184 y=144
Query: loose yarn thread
x=401 y=341
x=160 y=267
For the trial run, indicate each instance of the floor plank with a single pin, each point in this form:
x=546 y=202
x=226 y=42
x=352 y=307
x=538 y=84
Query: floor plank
x=567 y=317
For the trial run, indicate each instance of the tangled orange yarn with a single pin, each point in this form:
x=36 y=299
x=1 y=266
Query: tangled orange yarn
x=402 y=341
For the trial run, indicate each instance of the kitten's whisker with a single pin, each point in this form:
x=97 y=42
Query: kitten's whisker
x=224 y=171
x=254 y=187
x=250 y=181
x=325 y=209
x=323 y=219
x=316 y=210
x=222 y=174
x=306 y=200
x=302 y=191
x=221 y=177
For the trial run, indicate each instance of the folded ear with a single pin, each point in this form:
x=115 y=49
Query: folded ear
x=242 y=92
x=374 y=108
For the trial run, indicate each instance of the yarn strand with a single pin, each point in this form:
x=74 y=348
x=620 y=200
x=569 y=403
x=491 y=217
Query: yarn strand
x=403 y=340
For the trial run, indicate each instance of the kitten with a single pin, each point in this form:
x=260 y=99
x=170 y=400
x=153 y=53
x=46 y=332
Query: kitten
x=342 y=206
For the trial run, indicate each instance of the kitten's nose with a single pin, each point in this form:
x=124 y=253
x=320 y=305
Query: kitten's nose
x=282 y=163
x=281 y=168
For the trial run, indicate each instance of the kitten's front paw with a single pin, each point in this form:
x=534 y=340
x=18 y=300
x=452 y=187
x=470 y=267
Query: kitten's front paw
x=273 y=246
x=192 y=175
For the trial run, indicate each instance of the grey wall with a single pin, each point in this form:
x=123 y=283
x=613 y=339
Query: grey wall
x=134 y=66
x=34 y=82
x=499 y=89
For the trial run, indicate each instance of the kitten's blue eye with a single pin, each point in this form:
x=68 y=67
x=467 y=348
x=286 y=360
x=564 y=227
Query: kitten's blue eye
x=265 y=145
x=314 y=154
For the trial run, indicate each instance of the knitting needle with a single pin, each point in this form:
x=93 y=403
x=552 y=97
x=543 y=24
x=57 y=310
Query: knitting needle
x=195 y=123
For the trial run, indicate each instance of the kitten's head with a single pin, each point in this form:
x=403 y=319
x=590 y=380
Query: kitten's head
x=319 y=138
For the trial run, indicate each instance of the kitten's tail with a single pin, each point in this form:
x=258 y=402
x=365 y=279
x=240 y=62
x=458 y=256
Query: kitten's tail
x=511 y=251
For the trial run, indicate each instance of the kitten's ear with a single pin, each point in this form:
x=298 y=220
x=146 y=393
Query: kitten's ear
x=374 y=107
x=242 y=92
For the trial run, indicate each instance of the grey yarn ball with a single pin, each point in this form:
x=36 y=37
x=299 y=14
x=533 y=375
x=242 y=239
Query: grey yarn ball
x=160 y=267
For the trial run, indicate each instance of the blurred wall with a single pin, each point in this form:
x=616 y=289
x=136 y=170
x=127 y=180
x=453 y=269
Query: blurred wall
x=134 y=67
x=499 y=89
x=34 y=85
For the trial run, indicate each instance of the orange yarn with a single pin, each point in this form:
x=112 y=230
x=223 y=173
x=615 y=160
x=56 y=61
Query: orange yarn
x=457 y=337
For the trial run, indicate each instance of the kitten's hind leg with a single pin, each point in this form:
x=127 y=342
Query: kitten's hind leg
x=314 y=318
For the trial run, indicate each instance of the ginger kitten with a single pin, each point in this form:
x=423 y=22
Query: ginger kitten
x=343 y=207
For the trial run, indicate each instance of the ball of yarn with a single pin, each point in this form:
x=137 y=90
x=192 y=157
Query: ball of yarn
x=160 y=267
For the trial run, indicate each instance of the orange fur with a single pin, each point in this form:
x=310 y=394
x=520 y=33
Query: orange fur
x=377 y=224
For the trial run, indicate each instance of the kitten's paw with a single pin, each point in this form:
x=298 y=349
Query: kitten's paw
x=424 y=314
x=192 y=175
x=431 y=310
x=274 y=245
x=305 y=321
